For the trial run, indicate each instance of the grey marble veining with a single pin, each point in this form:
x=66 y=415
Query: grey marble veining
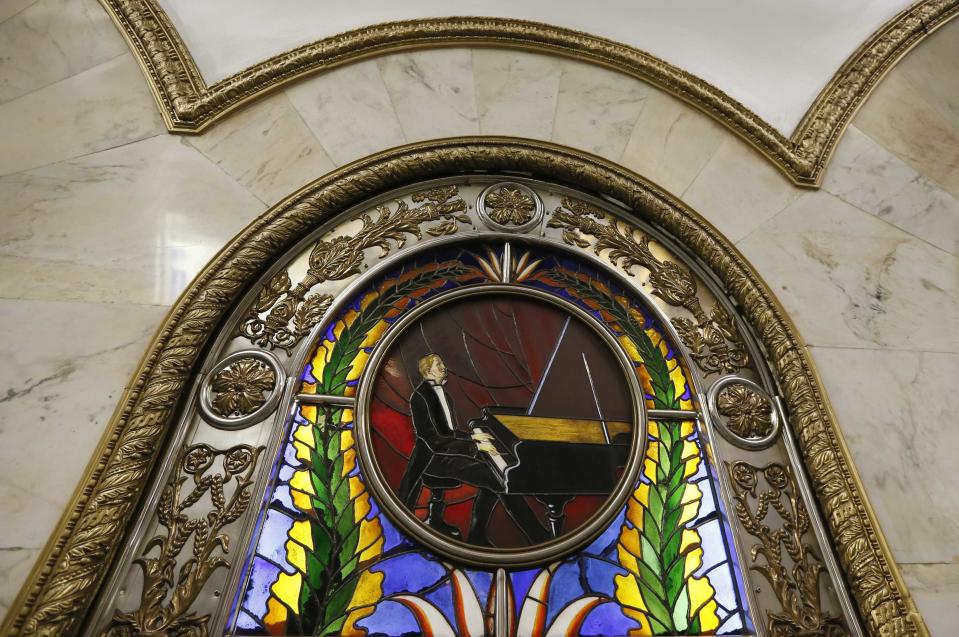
x=933 y=69
x=516 y=92
x=597 y=108
x=898 y=117
x=268 y=148
x=97 y=109
x=868 y=176
x=432 y=92
x=51 y=40
x=131 y=224
x=671 y=142
x=737 y=193
x=10 y=8
x=934 y=588
x=349 y=110
x=15 y=565
x=65 y=367
x=850 y=280
x=897 y=410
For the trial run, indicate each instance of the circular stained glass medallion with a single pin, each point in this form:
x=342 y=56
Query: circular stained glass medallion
x=500 y=425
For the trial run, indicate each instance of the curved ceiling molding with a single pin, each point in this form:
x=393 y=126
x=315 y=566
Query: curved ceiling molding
x=194 y=95
x=72 y=568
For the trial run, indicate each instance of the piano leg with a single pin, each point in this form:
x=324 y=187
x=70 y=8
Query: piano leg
x=555 y=514
x=516 y=507
x=435 y=510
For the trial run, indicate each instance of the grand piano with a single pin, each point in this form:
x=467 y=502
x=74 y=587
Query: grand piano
x=574 y=438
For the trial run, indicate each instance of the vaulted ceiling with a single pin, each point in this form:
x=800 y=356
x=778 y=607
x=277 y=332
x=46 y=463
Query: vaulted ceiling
x=787 y=77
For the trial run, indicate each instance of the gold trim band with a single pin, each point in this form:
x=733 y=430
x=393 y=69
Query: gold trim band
x=188 y=105
x=64 y=584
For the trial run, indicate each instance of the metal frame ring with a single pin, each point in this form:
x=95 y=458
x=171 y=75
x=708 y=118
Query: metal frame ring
x=459 y=550
x=241 y=422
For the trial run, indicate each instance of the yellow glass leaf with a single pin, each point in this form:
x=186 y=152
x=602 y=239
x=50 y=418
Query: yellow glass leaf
x=361 y=501
x=286 y=589
x=691 y=509
x=301 y=532
x=371 y=539
x=629 y=550
x=702 y=603
x=690 y=546
x=652 y=428
x=296 y=556
x=301 y=482
x=369 y=590
x=357 y=365
x=691 y=456
x=301 y=501
x=304 y=434
x=276 y=616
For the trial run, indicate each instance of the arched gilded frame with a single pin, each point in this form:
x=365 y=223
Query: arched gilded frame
x=254 y=479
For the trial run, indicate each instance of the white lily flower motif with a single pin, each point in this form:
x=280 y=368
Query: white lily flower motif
x=471 y=621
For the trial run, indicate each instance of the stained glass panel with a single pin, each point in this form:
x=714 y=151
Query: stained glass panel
x=511 y=350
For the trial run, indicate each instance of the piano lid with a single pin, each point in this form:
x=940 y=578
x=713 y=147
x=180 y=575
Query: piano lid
x=581 y=382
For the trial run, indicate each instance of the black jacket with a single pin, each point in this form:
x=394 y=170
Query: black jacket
x=442 y=456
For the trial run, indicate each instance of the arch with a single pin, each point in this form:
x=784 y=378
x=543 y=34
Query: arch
x=60 y=594
x=189 y=105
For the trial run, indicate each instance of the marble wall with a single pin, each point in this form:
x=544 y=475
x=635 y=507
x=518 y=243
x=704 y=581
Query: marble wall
x=106 y=218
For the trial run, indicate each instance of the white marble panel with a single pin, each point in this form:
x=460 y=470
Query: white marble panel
x=935 y=589
x=933 y=69
x=671 y=142
x=871 y=178
x=774 y=60
x=52 y=40
x=737 y=191
x=516 y=92
x=597 y=108
x=103 y=107
x=10 y=8
x=432 y=92
x=132 y=224
x=349 y=111
x=65 y=366
x=268 y=148
x=850 y=280
x=15 y=565
x=897 y=412
x=897 y=116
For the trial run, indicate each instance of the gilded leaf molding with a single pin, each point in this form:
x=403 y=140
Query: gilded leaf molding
x=712 y=339
x=188 y=105
x=283 y=313
x=787 y=560
x=57 y=596
x=170 y=588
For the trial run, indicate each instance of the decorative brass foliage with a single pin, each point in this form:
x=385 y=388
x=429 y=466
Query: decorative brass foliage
x=168 y=591
x=712 y=339
x=788 y=563
x=238 y=388
x=339 y=258
x=748 y=413
x=59 y=593
x=508 y=205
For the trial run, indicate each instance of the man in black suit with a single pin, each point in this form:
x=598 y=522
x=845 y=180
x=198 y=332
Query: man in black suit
x=444 y=457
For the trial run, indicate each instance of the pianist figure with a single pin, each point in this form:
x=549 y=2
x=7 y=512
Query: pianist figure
x=444 y=457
